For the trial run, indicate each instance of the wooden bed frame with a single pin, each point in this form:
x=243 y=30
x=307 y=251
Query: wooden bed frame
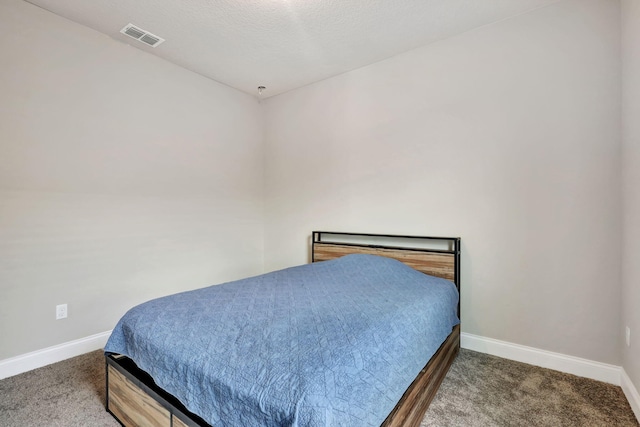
x=135 y=400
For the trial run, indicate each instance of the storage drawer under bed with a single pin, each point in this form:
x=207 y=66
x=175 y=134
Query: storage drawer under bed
x=136 y=401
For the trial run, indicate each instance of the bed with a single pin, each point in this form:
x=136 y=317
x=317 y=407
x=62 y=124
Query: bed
x=360 y=296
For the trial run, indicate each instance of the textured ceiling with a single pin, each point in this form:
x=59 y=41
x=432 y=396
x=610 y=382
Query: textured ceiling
x=285 y=44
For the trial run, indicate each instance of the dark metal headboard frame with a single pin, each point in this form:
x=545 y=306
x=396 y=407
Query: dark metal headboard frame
x=452 y=242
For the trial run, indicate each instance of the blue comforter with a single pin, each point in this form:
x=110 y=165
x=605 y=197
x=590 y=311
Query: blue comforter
x=334 y=343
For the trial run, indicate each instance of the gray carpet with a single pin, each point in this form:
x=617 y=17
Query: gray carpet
x=69 y=393
x=480 y=390
x=483 y=390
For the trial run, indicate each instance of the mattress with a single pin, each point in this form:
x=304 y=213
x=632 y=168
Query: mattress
x=334 y=343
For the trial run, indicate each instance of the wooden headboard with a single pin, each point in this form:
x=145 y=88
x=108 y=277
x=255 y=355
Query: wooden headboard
x=442 y=262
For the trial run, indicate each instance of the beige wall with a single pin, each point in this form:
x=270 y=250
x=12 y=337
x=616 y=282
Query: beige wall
x=631 y=181
x=122 y=178
x=507 y=136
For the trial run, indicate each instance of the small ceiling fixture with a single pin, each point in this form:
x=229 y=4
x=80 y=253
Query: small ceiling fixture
x=141 y=35
x=260 y=90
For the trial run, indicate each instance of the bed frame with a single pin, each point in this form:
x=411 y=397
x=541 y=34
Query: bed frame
x=135 y=400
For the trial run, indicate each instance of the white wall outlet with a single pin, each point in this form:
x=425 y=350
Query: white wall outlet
x=627 y=335
x=61 y=311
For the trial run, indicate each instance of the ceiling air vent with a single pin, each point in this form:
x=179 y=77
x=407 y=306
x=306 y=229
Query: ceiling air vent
x=142 y=35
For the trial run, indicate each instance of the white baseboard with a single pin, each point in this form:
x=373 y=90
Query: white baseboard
x=37 y=359
x=631 y=392
x=545 y=359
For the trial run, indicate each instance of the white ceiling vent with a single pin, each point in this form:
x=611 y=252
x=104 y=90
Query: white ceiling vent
x=142 y=35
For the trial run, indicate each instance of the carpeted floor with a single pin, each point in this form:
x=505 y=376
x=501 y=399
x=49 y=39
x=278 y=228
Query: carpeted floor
x=68 y=393
x=480 y=390
x=483 y=390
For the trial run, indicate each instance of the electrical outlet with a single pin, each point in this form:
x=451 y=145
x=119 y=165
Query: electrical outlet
x=61 y=311
x=627 y=335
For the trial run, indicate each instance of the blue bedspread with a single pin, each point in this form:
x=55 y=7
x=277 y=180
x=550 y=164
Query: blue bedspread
x=334 y=343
